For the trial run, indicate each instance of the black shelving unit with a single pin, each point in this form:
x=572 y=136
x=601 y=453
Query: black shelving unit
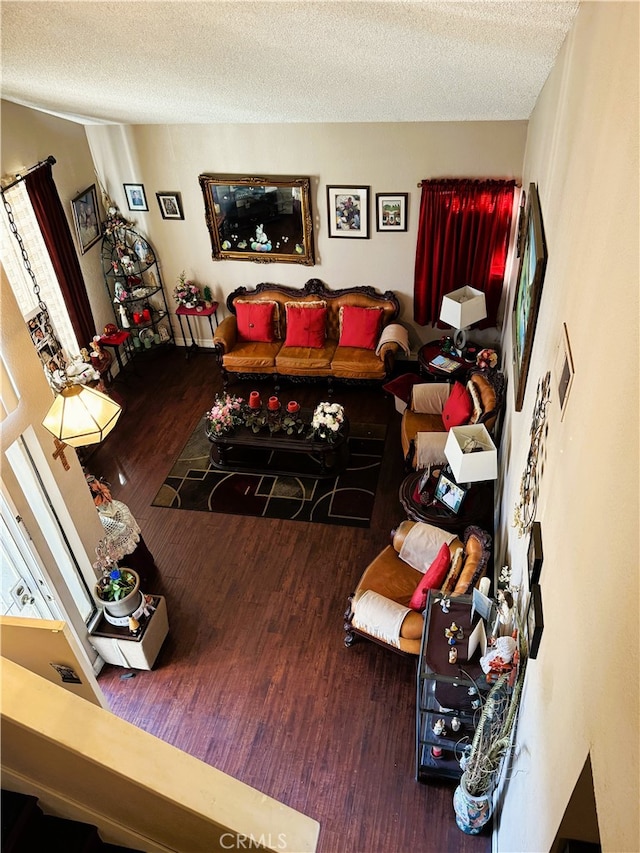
x=443 y=691
x=134 y=283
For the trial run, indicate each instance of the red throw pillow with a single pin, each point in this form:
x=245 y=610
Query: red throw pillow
x=360 y=327
x=458 y=408
x=433 y=578
x=306 y=327
x=255 y=321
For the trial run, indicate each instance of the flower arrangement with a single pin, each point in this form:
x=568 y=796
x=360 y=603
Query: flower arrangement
x=327 y=420
x=225 y=414
x=99 y=489
x=487 y=358
x=115 y=584
x=186 y=292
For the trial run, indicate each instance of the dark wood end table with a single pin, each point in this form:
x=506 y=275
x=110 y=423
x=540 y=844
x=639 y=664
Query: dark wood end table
x=429 y=351
x=476 y=509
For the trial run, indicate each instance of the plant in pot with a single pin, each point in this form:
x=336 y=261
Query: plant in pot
x=482 y=761
x=119 y=591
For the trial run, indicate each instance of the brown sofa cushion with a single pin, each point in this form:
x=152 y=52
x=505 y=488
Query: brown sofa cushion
x=252 y=357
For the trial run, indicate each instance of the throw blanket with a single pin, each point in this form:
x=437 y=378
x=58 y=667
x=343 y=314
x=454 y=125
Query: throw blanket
x=379 y=616
x=422 y=543
x=395 y=333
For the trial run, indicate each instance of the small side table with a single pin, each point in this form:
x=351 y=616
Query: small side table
x=429 y=351
x=117 y=646
x=476 y=509
x=210 y=312
x=116 y=340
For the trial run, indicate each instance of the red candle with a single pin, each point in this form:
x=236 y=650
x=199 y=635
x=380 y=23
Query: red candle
x=146 y=315
x=254 y=400
x=274 y=404
x=137 y=317
x=293 y=407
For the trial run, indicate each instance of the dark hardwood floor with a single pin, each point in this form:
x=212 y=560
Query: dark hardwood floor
x=254 y=678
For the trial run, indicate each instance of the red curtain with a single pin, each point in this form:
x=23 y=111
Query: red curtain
x=463 y=237
x=57 y=237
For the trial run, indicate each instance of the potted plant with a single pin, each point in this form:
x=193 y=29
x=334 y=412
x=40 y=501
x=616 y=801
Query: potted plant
x=226 y=413
x=119 y=591
x=482 y=761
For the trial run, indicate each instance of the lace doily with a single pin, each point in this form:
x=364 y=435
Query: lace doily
x=122 y=533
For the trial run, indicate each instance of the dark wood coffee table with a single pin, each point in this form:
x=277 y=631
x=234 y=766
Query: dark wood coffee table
x=278 y=453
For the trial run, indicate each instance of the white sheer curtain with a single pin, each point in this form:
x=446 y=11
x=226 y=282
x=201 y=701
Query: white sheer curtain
x=18 y=276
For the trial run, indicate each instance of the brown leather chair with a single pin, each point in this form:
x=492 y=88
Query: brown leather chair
x=486 y=388
x=395 y=581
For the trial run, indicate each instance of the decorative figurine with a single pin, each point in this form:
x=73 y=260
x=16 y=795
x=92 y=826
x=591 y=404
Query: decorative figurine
x=439 y=727
x=452 y=632
x=453 y=655
x=456 y=725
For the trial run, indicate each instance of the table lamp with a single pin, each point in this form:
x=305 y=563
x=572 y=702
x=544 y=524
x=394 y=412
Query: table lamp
x=471 y=454
x=460 y=309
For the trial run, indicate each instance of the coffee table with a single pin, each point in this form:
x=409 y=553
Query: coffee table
x=294 y=455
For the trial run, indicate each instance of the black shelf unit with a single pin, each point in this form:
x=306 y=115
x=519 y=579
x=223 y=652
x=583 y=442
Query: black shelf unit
x=130 y=266
x=443 y=691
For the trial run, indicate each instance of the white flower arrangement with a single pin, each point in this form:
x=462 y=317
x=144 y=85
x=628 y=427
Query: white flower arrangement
x=326 y=422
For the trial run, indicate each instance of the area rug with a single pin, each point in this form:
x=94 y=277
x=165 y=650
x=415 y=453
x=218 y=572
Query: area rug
x=346 y=499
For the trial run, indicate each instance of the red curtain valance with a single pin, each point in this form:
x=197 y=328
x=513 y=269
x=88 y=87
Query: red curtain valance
x=463 y=237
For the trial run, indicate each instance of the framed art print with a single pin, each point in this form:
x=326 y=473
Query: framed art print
x=86 y=218
x=534 y=554
x=391 y=211
x=348 y=211
x=170 y=205
x=533 y=261
x=564 y=371
x=535 y=622
x=136 y=199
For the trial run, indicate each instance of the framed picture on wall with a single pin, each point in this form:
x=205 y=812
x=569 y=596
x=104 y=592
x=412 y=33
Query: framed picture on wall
x=564 y=371
x=534 y=554
x=348 y=211
x=535 y=621
x=533 y=261
x=170 y=205
x=391 y=211
x=136 y=199
x=86 y=218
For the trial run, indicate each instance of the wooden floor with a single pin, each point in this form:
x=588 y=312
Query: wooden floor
x=254 y=678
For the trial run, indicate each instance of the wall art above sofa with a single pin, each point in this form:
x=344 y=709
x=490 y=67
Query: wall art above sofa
x=259 y=219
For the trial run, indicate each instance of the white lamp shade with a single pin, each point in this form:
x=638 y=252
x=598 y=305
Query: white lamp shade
x=471 y=454
x=80 y=415
x=463 y=307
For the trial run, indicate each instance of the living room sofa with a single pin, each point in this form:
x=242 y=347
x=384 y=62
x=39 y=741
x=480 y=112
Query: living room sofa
x=347 y=334
x=390 y=596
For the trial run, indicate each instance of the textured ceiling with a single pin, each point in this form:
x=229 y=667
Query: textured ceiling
x=207 y=62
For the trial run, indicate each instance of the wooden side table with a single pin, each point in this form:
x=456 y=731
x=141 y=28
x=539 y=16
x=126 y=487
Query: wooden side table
x=117 y=646
x=429 y=351
x=210 y=312
x=476 y=509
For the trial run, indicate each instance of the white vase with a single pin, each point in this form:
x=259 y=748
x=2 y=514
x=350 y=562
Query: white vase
x=124 y=606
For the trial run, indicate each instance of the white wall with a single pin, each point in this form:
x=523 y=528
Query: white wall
x=385 y=157
x=581 y=693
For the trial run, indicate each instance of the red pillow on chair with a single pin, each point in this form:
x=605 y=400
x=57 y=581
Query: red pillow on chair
x=433 y=578
x=458 y=408
x=255 y=321
x=306 y=327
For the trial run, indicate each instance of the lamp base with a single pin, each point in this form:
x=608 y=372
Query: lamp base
x=460 y=339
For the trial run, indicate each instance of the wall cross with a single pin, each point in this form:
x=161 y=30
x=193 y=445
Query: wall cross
x=59 y=453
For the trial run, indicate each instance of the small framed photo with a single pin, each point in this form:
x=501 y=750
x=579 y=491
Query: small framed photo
x=170 y=205
x=348 y=210
x=449 y=493
x=423 y=481
x=535 y=622
x=534 y=554
x=136 y=199
x=36 y=322
x=391 y=211
x=86 y=218
x=564 y=371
